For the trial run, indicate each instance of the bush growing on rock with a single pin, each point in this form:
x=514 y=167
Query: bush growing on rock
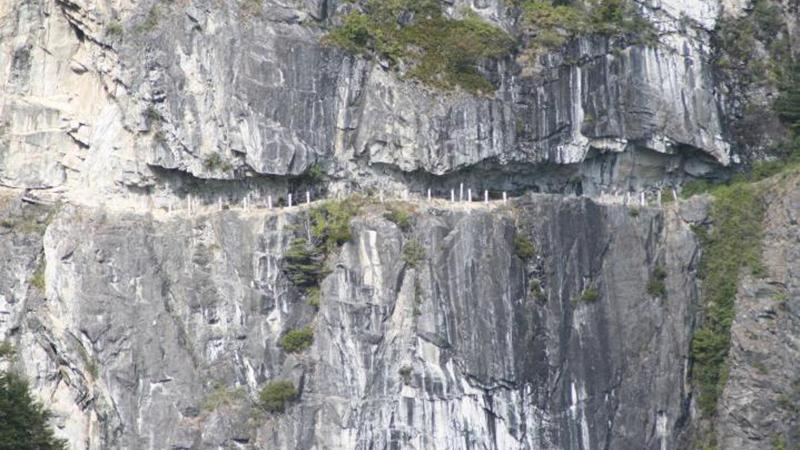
x=314 y=296
x=37 y=279
x=215 y=161
x=413 y=253
x=536 y=291
x=523 y=247
x=303 y=263
x=655 y=286
x=276 y=394
x=114 y=29
x=589 y=295
x=331 y=222
x=297 y=340
x=399 y=217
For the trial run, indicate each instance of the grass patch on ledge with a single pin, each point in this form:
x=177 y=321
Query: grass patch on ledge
x=441 y=52
x=549 y=25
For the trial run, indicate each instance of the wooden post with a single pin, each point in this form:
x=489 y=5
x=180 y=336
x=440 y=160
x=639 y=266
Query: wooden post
x=486 y=197
x=461 y=192
x=469 y=195
x=658 y=197
x=452 y=195
x=269 y=202
x=505 y=197
x=429 y=194
x=308 y=198
x=290 y=200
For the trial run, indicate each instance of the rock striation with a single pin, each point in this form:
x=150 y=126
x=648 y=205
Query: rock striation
x=148 y=309
x=203 y=89
x=159 y=332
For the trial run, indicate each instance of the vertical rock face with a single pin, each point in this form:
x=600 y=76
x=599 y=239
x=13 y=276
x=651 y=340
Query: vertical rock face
x=166 y=328
x=230 y=91
x=145 y=318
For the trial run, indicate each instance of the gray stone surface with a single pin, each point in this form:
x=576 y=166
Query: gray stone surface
x=159 y=332
x=222 y=90
x=143 y=329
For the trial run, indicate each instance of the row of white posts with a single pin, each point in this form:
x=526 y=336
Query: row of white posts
x=191 y=202
x=627 y=200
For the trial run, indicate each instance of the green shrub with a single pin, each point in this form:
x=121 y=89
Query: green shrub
x=536 y=291
x=37 y=279
x=666 y=195
x=24 y=421
x=215 y=161
x=695 y=187
x=314 y=296
x=296 y=341
x=633 y=211
x=276 y=394
x=589 y=295
x=787 y=104
x=523 y=247
x=417 y=297
x=354 y=35
x=7 y=350
x=159 y=137
x=439 y=51
x=314 y=174
x=114 y=29
x=399 y=217
x=152 y=115
x=331 y=222
x=304 y=263
x=413 y=253
x=655 y=286
x=778 y=443
x=780 y=297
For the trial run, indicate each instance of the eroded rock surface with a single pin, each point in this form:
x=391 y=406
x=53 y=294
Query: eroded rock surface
x=220 y=90
x=160 y=332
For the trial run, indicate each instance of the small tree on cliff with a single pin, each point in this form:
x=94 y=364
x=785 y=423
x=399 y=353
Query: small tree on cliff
x=23 y=421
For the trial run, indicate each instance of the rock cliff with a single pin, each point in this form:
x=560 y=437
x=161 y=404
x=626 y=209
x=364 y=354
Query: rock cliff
x=158 y=332
x=150 y=291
